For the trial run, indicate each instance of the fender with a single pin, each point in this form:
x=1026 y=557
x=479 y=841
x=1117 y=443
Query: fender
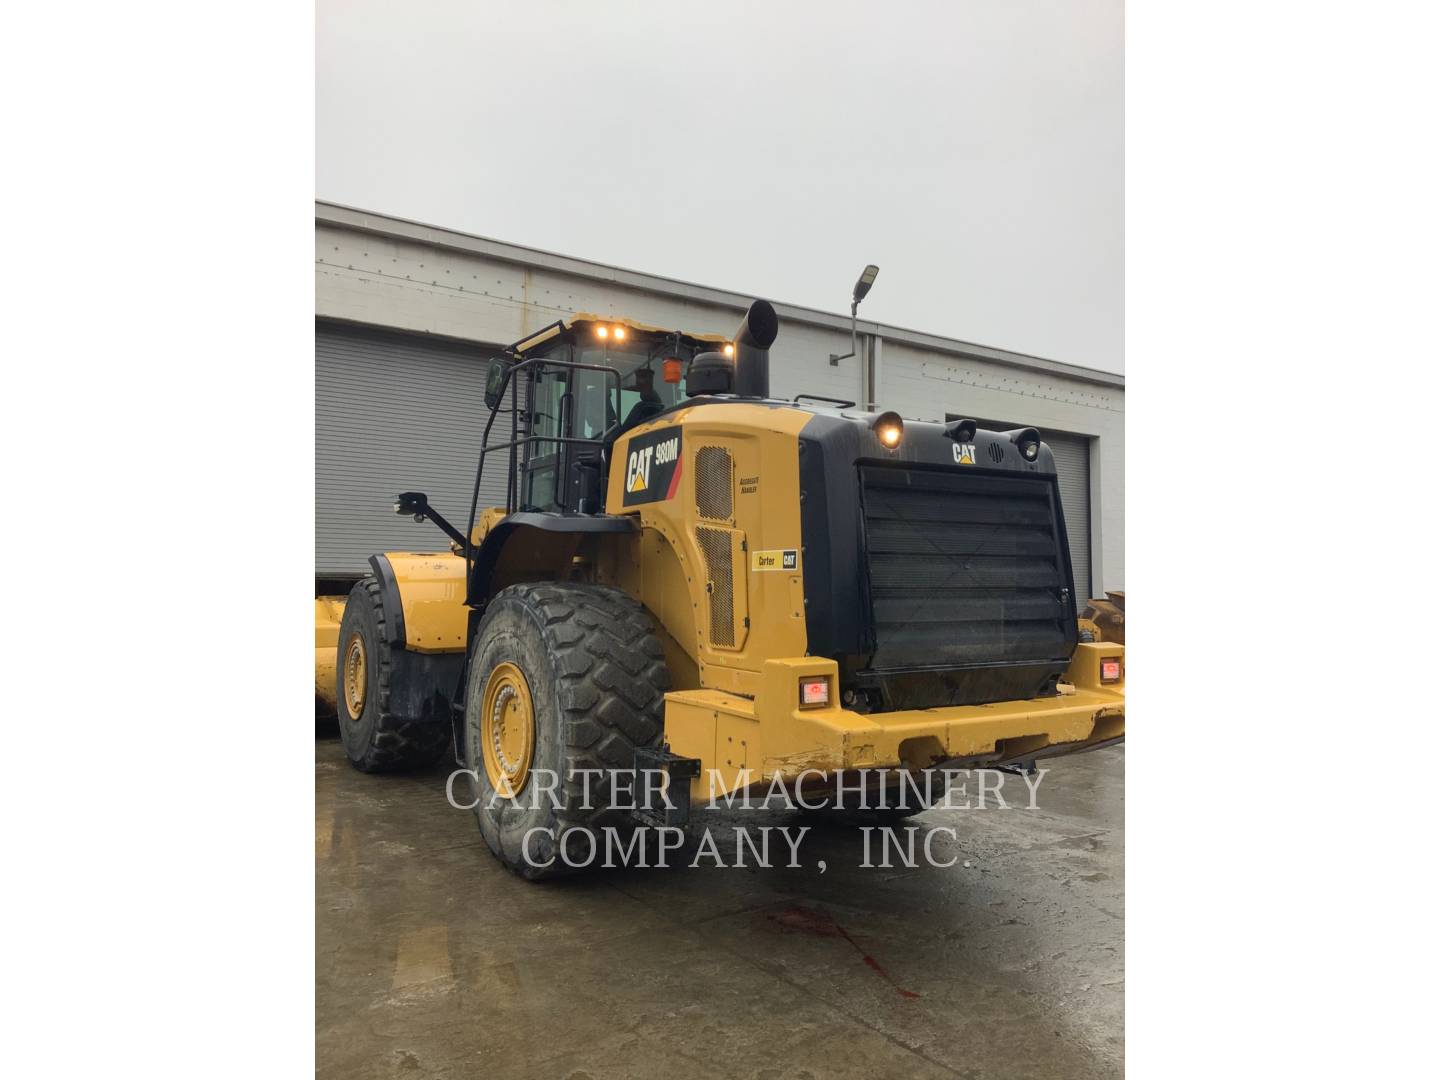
x=423 y=595
x=428 y=648
x=542 y=530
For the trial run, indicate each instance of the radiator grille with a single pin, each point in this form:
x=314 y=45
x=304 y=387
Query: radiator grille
x=964 y=569
x=714 y=483
x=715 y=546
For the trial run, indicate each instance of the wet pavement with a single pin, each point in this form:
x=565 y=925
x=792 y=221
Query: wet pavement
x=433 y=960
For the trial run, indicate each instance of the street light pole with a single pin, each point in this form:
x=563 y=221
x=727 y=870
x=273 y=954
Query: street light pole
x=862 y=288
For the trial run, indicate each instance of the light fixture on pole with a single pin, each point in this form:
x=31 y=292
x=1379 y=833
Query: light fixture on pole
x=862 y=288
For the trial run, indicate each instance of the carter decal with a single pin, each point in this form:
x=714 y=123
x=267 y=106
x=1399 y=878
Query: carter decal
x=779 y=559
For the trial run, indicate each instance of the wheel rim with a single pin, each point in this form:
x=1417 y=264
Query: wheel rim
x=507 y=729
x=355 y=680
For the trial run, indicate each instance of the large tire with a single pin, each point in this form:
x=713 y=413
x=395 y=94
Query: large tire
x=375 y=738
x=595 y=677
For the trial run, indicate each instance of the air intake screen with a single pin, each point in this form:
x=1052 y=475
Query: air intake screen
x=966 y=569
x=715 y=545
x=714 y=483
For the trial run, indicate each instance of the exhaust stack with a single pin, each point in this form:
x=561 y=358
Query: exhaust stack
x=752 y=350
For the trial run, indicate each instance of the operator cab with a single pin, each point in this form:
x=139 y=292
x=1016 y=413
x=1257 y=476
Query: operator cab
x=582 y=384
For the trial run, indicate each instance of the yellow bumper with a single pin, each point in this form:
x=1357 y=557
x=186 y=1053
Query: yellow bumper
x=752 y=739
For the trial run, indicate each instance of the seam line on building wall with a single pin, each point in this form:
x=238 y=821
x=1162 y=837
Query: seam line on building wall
x=401 y=282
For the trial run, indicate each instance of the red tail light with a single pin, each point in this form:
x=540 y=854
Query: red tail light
x=815 y=691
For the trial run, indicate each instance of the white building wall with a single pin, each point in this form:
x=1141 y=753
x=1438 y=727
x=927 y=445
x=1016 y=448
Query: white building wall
x=435 y=282
x=411 y=286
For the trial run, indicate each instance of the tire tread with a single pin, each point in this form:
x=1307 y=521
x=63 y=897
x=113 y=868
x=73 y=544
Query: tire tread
x=610 y=669
x=397 y=743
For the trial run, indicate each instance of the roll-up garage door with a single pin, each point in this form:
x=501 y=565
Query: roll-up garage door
x=1072 y=464
x=394 y=412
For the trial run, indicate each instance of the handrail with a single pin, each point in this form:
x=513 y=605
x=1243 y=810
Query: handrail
x=517 y=440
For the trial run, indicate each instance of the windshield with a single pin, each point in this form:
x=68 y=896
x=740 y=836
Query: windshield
x=642 y=379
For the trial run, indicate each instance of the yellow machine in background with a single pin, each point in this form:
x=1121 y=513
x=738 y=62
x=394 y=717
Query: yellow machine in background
x=1105 y=619
x=693 y=576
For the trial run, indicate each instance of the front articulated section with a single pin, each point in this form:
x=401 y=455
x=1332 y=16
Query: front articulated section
x=742 y=741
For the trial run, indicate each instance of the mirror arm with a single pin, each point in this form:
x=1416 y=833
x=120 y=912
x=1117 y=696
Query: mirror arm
x=416 y=505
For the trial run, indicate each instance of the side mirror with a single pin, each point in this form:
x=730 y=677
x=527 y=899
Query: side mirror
x=495 y=383
x=412 y=503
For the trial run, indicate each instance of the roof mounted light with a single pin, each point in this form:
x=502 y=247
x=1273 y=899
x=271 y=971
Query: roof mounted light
x=1028 y=441
x=961 y=430
x=889 y=429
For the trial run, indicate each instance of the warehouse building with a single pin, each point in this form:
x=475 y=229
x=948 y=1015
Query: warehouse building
x=408 y=316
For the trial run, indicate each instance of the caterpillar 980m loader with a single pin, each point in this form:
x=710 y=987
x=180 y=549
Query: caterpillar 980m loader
x=691 y=576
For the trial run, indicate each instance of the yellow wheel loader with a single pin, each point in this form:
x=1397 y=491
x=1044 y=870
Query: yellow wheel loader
x=692 y=578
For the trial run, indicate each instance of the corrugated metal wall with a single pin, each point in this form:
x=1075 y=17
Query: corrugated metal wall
x=1072 y=464
x=394 y=412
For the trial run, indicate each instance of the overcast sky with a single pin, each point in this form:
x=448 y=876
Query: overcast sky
x=973 y=148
